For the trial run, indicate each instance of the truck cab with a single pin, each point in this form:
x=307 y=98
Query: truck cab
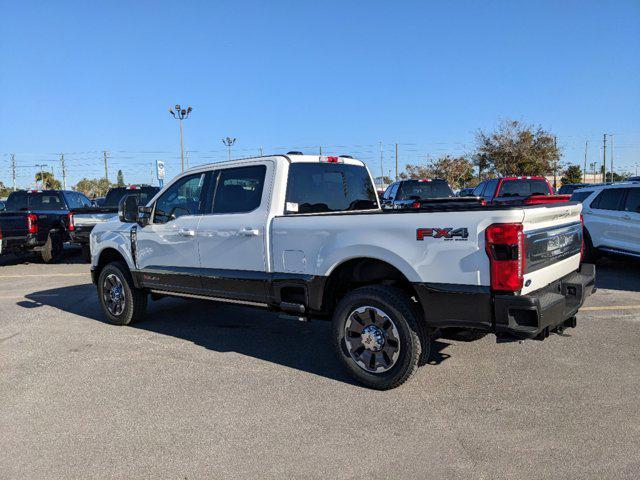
x=528 y=190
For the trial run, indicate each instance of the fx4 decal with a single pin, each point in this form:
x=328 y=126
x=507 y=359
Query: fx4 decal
x=445 y=233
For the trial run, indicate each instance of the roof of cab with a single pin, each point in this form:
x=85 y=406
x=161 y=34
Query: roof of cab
x=291 y=158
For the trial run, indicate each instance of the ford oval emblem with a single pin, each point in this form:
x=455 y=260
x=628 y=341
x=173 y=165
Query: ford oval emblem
x=527 y=283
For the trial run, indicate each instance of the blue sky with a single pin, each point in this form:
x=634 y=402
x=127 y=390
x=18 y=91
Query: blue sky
x=81 y=77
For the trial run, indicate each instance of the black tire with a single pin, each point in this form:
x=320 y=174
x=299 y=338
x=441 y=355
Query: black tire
x=52 y=250
x=413 y=341
x=135 y=299
x=86 y=253
x=591 y=254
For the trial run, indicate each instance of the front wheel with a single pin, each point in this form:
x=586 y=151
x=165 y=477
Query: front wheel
x=121 y=302
x=378 y=337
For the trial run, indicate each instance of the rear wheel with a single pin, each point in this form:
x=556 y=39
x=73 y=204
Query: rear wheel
x=121 y=302
x=52 y=249
x=378 y=337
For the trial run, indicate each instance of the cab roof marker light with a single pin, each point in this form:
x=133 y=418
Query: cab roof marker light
x=331 y=159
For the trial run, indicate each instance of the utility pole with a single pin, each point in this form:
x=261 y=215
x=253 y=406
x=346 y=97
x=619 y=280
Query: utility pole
x=105 y=156
x=604 y=158
x=41 y=166
x=555 y=163
x=381 y=166
x=396 y=162
x=261 y=154
x=181 y=114
x=64 y=172
x=584 y=172
x=229 y=141
x=13 y=170
x=611 y=169
x=320 y=149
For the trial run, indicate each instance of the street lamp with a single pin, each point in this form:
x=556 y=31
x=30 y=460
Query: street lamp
x=229 y=142
x=181 y=114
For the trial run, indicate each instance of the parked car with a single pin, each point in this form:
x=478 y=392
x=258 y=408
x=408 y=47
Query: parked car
x=85 y=221
x=518 y=191
x=569 y=188
x=611 y=219
x=98 y=201
x=465 y=192
x=40 y=221
x=304 y=235
x=404 y=193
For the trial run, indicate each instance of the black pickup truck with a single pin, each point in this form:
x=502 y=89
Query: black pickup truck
x=40 y=221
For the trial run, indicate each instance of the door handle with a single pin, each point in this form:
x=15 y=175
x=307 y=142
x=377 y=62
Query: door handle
x=249 y=232
x=184 y=232
x=626 y=216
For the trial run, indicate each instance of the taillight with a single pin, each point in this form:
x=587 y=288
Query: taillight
x=71 y=220
x=415 y=205
x=505 y=248
x=32 y=223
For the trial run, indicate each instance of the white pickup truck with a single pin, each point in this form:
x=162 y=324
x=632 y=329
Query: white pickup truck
x=305 y=235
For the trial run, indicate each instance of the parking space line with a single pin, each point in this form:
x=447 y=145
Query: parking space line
x=610 y=307
x=47 y=275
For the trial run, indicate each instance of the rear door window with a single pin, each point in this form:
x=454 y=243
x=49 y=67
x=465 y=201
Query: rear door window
x=609 y=199
x=490 y=189
x=77 y=200
x=328 y=187
x=632 y=204
x=239 y=190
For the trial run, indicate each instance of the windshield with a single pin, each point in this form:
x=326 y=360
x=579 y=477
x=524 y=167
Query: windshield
x=424 y=190
x=115 y=195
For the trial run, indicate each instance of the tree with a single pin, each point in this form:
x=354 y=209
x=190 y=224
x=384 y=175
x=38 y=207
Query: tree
x=573 y=174
x=515 y=148
x=92 y=188
x=4 y=191
x=120 y=179
x=457 y=171
x=47 y=181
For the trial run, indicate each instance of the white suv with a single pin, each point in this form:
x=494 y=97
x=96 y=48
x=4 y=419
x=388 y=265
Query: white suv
x=611 y=219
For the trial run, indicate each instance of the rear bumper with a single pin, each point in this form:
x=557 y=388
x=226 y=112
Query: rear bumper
x=515 y=316
x=536 y=314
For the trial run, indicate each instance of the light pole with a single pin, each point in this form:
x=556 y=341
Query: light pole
x=181 y=114
x=228 y=141
x=41 y=166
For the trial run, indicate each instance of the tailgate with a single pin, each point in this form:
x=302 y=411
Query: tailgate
x=81 y=219
x=14 y=226
x=553 y=243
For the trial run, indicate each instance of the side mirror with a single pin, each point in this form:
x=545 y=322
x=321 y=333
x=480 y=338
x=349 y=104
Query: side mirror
x=128 y=209
x=144 y=215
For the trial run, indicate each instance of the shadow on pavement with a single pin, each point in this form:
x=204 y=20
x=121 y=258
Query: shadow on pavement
x=618 y=274
x=70 y=255
x=225 y=328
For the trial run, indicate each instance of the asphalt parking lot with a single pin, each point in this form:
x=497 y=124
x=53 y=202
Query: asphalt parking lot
x=203 y=390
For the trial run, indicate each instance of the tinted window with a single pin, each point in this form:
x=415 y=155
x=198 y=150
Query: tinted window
x=633 y=200
x=17 y=201
x=327 y=187
x=490 y=189
x=181 y=198
x=46 y=201
x=524 y=188
x=580 y=196
x=77 y=200
x=239 y=189
x=477 y=192
x=423 y=190
x=387 y=192
x=567 y=189
x=115 y=195
x=608 y=199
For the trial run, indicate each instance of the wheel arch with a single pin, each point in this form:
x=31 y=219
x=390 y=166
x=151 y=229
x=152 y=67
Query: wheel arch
x=109 y=255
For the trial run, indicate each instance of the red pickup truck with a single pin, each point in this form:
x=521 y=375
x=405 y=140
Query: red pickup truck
x=518 y=191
